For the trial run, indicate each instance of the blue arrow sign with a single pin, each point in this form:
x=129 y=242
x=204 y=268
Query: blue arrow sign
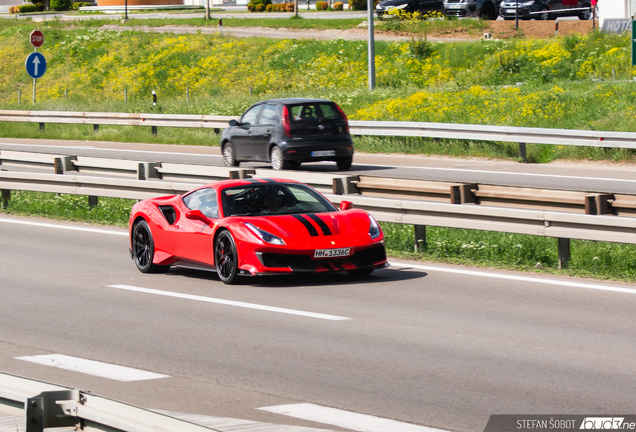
x=35 y=65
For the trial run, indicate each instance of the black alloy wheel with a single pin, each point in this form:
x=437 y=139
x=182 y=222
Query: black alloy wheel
x=585 y=14
x=226 y=258
x=144 y=249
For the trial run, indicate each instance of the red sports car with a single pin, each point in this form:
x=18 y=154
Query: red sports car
x=254 y=227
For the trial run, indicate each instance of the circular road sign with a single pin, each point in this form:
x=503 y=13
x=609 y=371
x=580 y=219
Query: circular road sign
x=36 y=38
x=35 y=65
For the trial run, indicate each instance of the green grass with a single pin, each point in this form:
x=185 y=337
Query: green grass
x=599 y=260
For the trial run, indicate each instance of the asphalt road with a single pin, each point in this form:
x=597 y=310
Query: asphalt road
x=439 y=346
x=582 y=176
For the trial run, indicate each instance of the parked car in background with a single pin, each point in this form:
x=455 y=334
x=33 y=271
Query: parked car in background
x=545 y=9
x=410 y=6
x=287 y=132
x=484 y=9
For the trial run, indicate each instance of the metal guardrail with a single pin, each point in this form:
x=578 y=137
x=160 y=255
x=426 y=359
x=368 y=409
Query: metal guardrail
x=542 y=212
x=44 y=405
x=522 y=135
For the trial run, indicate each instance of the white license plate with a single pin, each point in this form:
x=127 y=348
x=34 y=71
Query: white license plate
x=320 y=153
x=455 y=6
x=331 y=253
x=510 y=11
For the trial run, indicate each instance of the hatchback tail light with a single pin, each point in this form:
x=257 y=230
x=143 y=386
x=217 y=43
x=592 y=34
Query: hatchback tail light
x=286 y=121
x=344 y=116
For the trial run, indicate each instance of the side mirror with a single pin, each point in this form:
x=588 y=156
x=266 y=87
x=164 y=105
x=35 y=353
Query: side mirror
x=233 y=123
x=197 y=215
x=345 y=205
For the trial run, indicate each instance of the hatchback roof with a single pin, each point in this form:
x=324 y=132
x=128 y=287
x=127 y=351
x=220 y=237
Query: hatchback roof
x=295 y=100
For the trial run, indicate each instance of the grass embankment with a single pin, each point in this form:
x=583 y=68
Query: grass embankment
x=510 y=251
x=467 y=82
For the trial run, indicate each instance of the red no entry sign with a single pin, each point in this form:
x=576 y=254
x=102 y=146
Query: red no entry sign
x=36 y=38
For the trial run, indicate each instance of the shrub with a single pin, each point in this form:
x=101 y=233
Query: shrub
x=76 y=5
x=338 y=6
x=290 y=7
x=26 y=8
x=260 y=7
x=61 y=5
x=250 y=7
x=269 y=8
x=324 y=6
x=358 y=4
x=39 y=7
x=11 y=9
x=319 y=5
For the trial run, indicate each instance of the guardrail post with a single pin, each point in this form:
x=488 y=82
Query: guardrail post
x=420 y=238
x=599 y=204
x=153 y=130
x=463 y=194
x=64 y=164
x=148 y=170
x=95 y=128
x=44 y=411
x=344 y=185
x=6 y=196
x=92 y=201
x=523 y=155
x=41 y=127
x=564 y=252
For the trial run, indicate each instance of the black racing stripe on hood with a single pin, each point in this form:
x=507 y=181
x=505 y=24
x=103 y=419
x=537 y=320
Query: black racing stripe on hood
x=321 y=223
x=312 y=230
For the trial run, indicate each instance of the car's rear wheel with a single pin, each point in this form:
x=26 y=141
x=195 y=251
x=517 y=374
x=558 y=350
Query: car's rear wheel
x=344 y=163
x=277 y=160
x=360 y=272
x=543 y=15
x=143 y=247
x=488 y=12
x=229 y=157
x=586 y=14
x=226 y=258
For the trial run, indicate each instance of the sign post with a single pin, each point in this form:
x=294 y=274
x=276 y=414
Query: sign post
x=35 y=63
x=633 y=43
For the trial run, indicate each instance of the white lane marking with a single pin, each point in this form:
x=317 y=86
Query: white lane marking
x=90 y=367
x=556 y=176
x=230 y=303
x=66 y=227
x=517 y=278
x=345 y=419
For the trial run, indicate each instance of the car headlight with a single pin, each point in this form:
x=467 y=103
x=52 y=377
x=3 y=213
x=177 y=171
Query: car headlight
x=530 y=3
x=402 y=6
x=264 y=235
x=379 y=7
x=374 y=228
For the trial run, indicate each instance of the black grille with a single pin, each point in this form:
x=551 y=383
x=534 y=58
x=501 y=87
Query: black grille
x=304 y=263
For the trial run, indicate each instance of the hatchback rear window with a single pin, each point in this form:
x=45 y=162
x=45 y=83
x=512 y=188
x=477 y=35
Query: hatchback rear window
x=314 y=112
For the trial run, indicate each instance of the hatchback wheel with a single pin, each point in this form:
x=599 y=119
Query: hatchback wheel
x=229 y=158
x=586 y=14
x=277 y=160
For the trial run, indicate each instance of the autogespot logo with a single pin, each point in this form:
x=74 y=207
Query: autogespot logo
x=604 y=423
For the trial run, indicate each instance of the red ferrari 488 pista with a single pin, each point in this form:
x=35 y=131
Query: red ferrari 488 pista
x=254 y=227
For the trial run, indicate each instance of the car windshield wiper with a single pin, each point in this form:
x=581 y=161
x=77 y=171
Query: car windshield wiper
x=245 y=214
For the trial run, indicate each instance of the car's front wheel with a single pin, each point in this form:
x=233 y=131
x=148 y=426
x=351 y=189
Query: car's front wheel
x=143 y=247
x=226 y=258
x=585 y=14
x=543 y=15
x=488 y=12
x=229 y=157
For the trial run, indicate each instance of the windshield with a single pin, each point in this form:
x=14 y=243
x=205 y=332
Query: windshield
x=273 y=199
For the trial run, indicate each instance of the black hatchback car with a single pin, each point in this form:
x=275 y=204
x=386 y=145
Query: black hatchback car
x=287 y=132
x=545 y=9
